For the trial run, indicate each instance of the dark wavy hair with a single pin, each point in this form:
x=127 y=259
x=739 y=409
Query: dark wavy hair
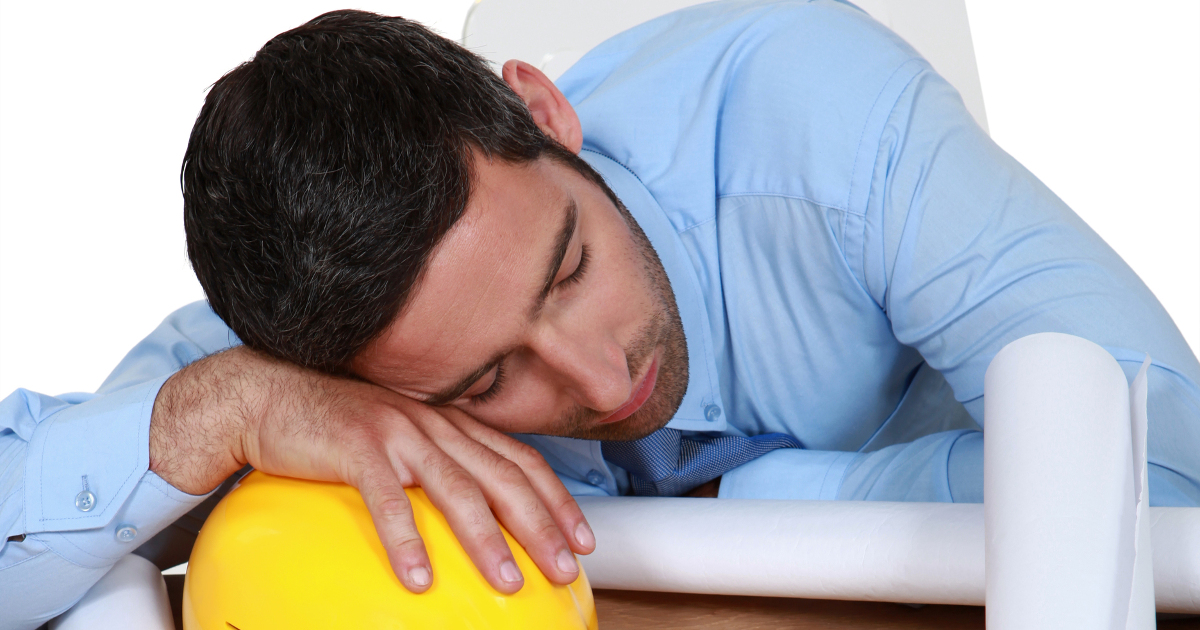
x=322 y=173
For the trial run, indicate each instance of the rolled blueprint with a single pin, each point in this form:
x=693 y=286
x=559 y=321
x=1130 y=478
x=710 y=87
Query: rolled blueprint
x=934 y=553
x=1065 y=489
x=926 y=553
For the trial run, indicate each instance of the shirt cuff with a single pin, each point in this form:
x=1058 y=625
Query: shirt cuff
x=85 y=461
x=787 y=473
x=152 y=506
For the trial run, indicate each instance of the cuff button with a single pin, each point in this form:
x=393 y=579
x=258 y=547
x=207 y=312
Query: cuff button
x=126 y=533
x=85 y=501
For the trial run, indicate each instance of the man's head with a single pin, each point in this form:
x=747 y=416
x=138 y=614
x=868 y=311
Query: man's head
x=367 y=198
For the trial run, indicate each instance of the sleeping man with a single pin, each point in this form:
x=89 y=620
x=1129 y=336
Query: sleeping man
x=748 y=250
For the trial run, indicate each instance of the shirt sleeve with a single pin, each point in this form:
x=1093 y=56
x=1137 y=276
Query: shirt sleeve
x=966 y=251
x=77 y=493
x=942 y=467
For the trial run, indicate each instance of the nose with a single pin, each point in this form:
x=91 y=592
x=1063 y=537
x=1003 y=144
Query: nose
x=592 y=366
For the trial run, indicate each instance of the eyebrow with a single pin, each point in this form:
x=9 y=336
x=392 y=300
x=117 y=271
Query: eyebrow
x=556 y=257
x=570 y=220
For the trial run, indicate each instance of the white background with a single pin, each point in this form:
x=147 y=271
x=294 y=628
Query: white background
x=1099 y=99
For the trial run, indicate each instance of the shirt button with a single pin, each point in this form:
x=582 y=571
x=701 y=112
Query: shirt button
x=596 y=478
x=126 y=533
x=85 y=501
x=712 y=412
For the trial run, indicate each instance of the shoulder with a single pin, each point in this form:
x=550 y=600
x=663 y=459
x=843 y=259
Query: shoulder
x=761 y=97
x=732 y=34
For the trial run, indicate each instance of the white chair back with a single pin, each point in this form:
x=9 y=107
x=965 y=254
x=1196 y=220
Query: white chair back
x=554 y=34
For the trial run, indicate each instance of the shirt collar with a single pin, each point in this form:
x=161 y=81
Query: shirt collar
x=702 y=409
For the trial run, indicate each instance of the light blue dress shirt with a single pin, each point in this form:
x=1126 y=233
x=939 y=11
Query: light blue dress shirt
x=848 y=250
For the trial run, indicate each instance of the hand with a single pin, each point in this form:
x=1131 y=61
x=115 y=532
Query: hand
x=240 y=407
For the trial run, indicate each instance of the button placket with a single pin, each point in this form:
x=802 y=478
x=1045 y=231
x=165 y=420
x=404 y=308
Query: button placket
x=596 y=478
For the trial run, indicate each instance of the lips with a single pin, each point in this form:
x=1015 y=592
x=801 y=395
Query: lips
x=640 y=395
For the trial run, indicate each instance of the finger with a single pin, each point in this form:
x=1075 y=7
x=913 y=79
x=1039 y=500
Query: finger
x=554 y=495
x=455 y=492
x=393 y=517
x=514 y=500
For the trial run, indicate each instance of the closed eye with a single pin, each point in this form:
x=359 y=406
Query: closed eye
x=580 y=269
x=498 y=382
x=493 y=391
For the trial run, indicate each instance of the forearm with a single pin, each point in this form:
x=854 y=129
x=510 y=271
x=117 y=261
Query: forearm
x=937 y=467
x=51 y=549
x=243 y=407
x=199 y=417
x=144 y=455
x=943 y=467
x=200 y=425
x=78 y=496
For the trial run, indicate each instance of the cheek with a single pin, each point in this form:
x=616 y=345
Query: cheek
x=623 y=288
x=530 y=402
x=621 y=311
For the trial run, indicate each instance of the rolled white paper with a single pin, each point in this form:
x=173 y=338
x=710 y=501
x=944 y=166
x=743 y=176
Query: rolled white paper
x=131 y=595
x=879 y=551
x=1176 y=542
x=927 y=553
x=1141 y=600
x=1061 y=488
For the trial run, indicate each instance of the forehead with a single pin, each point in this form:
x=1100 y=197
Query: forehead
x=478 y=285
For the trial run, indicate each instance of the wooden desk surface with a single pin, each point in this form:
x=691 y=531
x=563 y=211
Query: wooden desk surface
x=639 y=610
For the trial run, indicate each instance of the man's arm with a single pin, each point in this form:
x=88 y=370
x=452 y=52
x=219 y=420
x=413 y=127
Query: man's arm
x=975 y=252
x=942 y=467
x=149 y=449
x=240 y=407
x=966 y=251
x=51 y=550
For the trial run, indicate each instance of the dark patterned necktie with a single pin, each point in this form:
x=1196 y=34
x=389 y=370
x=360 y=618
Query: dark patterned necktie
x=665 y=463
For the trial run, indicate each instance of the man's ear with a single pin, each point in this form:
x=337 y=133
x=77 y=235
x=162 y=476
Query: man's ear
x=551 y=111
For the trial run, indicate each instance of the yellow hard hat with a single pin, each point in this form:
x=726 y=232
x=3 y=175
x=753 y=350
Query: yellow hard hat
x=291 y=554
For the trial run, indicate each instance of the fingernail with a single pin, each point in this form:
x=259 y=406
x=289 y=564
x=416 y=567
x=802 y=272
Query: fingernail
x=566 y=562
x=509 y=572
x=584 y=535
x=419 y=576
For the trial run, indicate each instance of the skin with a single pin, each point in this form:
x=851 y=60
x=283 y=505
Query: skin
x=429 y=411
x=569 y=362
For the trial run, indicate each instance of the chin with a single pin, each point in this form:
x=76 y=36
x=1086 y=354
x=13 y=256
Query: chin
x=652 y=416
x=628 y=429
x=658 y=409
